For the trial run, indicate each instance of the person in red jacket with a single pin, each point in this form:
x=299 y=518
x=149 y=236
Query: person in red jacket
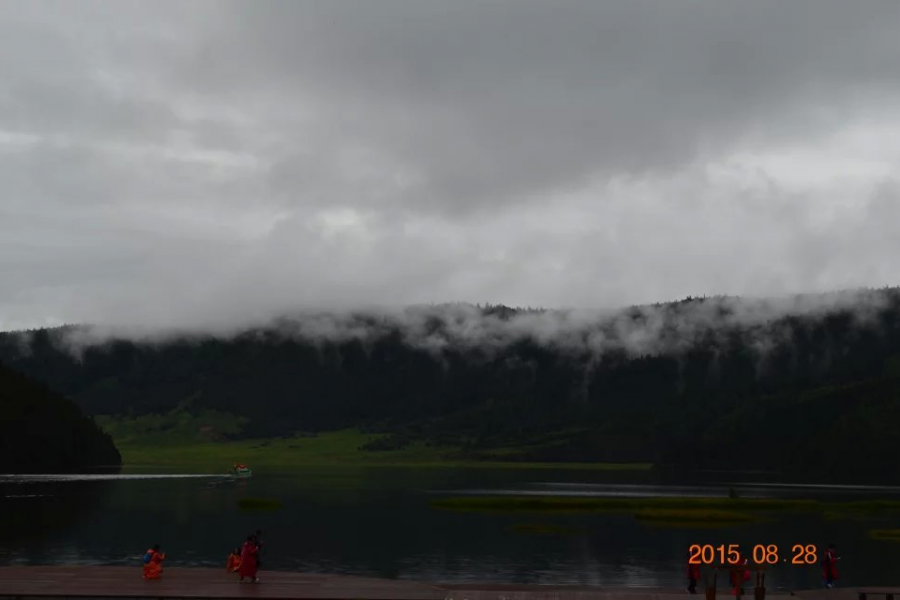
x=693 y=573
x=829 y=566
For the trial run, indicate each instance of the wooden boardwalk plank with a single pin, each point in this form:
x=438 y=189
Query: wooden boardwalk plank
x=121 y=583
x=546 y=592
x=126 y=582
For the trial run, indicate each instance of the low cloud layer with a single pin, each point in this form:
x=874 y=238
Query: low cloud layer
x=215 y=164
x=652 y=330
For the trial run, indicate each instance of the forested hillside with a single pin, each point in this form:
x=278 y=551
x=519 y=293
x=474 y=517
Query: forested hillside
x=43 y=432
x=808 y=387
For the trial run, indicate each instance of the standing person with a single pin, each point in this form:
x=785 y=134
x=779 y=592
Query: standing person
x=249 y=566
x=829 y=566
x=739 y=574
x=153 y=563
x=693 y=573
x=234 y=561
x=257 y=539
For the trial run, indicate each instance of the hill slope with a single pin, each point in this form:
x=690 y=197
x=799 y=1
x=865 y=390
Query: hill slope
x=698 y=384
x=43 y=432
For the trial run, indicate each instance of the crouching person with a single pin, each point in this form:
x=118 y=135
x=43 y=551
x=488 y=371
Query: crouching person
x=234 y=561
x=153 y=562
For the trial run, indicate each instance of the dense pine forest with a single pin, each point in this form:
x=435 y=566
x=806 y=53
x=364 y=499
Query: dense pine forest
x=805 y=386
x=43 y=432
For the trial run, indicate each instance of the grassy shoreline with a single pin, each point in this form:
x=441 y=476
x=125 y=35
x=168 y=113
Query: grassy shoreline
x=335 y=448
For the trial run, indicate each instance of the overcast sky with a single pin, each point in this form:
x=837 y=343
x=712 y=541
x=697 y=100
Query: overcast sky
x=183 y=162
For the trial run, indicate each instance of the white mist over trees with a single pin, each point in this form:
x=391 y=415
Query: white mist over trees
x=803 y=376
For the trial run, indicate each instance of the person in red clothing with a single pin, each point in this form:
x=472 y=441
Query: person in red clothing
x=249 y=566
x=739 y=574
x=829 y=566
x=693 y=573
x=234 y=561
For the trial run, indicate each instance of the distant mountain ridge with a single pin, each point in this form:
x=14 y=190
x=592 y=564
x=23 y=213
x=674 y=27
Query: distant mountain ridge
x=43 y=432
x=803 y=386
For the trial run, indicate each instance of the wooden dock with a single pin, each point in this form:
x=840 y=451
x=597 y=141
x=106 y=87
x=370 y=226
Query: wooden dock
x=126 y=582
x=120 y=583
x=567 y=592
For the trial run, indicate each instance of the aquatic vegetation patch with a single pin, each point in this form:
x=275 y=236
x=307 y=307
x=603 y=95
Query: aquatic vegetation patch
x=859 y=509
x=260 y=504
x=868 y=506
x=672 y=512
x=544 y=529
x=694 y=517
x=628 y=505
x=889 y=535
x=693 y=525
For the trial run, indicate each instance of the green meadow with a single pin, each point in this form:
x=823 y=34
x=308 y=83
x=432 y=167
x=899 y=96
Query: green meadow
x=172 y=441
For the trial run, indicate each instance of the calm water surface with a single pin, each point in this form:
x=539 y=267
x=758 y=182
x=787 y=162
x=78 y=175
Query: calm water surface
x=378 y=522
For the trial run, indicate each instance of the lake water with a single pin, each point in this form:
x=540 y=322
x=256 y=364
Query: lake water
x=378 y=522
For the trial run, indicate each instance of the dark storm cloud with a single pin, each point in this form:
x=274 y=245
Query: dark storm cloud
x=213 y=162
x=491 y=100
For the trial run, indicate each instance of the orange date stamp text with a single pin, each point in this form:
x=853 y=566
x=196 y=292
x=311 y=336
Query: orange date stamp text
x=761 y=554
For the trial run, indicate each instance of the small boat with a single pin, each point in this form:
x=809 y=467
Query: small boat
x=241 y=471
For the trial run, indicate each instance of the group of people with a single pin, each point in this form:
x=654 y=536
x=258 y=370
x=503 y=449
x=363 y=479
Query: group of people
x=243 y=560
x=741 y=572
